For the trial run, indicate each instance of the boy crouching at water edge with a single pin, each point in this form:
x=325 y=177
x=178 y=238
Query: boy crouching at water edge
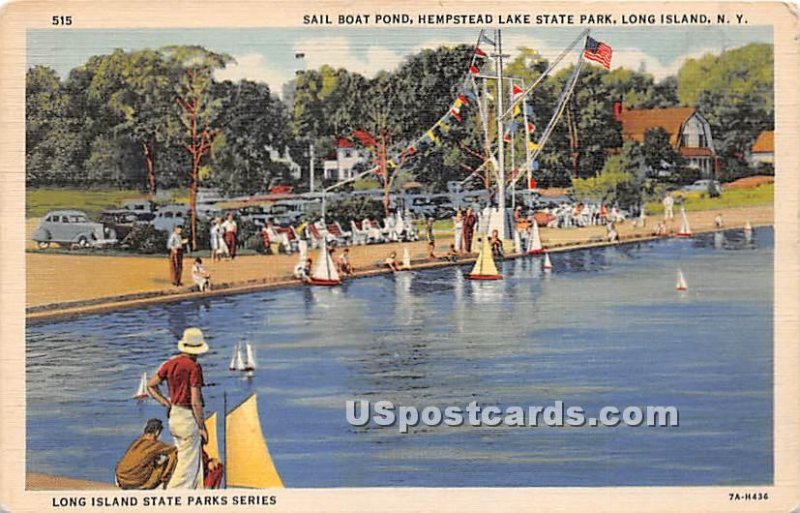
x=200 y=276
x=148 y=462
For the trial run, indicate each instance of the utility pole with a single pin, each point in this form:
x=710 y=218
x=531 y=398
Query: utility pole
x=311 y=167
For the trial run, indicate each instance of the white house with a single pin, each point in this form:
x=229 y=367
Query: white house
x=347 y=157
x=689 y=133
x=763 y=150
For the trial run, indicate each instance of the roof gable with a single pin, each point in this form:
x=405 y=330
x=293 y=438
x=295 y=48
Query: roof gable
x=636 y=122
x=765 y=143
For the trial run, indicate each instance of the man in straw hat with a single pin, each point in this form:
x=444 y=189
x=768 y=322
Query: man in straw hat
x=184 y=378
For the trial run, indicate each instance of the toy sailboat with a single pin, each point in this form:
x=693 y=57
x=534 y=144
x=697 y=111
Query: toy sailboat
x=141 y=392
x=236 y=359
x=485 y=268
x=547 y=263
x=324 y=272
x=685 y=230
x=248 y=463
x=250 y=362
x=681 y=285
x=535 y=242
x=406 y=260
x=748 y=229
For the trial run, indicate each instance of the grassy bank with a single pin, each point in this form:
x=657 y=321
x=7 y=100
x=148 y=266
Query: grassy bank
x=40 y=200
x=730 y=198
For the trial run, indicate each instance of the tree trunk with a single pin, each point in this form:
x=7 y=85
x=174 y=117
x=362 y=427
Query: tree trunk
x=149 y=154
x=193 y=200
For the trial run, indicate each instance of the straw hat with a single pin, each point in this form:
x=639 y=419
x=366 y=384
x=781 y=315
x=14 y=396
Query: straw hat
x=192 y=342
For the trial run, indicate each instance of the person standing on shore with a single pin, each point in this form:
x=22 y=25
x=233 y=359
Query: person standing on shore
x=175 y=246
x=184 y=377
x=230 y=229
x=215 y=238
x=469 y=229
x=458 y=228
x=668 y=202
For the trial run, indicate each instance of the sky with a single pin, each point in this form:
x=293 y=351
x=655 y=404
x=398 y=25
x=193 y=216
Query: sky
x=268 y=54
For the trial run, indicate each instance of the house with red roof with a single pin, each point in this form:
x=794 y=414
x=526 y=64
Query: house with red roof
x=341 y=164
x=763 y=150
x=689 y=132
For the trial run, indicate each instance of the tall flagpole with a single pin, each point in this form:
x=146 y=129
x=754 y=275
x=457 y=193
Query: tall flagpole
x=501 y=182
x=528 y=162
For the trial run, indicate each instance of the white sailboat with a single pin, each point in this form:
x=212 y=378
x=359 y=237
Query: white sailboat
x=517 y=242
x=237 y=363
x=748 y=230
x=324 y=272
x=141 y=391
x=547 y=263
x=685 y=230
x=681 y=284
x=406 y=260
x=535 y=242
x=250 y=362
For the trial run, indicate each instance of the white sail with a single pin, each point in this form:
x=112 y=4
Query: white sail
x=325 y=269
x=535 y=243
x=547 y=263
x=685 y=229
x=517 y=242
x=748 y=231
x=406 y=259
x=232 y=365
x=239 y=361
x=250 y=362
x=681 y=284
x=141 y=391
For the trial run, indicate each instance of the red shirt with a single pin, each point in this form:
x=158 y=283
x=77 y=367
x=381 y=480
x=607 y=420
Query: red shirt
x=181 y=373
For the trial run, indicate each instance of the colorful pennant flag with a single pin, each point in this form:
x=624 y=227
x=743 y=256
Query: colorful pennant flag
x=472 y=96
x=431 y=136
x=598 y=52
x=480 y=53
x=516 y=110
x=531 y=127
x=474 y=70
x=463 y=98
x=532 y=146
x=486 y=39
x=529 y=110
x=456 y=114
x=516 y=91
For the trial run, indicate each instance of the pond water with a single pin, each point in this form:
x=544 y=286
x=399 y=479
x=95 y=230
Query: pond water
x=604 y=327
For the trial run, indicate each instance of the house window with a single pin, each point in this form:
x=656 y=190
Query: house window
x=348 y=154
x=685 y=140
x=701 y=141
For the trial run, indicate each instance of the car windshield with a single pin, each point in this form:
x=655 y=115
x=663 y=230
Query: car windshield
x=78 y=219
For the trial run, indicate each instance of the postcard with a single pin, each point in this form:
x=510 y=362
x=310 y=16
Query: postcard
x=354 y=256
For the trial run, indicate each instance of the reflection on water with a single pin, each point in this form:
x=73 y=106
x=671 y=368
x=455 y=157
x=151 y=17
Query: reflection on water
x=604 y=327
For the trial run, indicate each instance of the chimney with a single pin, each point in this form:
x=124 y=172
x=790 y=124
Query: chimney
x=618 y=110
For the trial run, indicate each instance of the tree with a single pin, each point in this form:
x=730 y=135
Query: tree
x=198 y=110
x=253 y=122
x=658 y=151
x=138 y=87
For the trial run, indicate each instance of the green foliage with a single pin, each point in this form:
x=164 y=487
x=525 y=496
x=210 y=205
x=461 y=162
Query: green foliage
x=355 y=208
x=658 y=151
x=146 y=239
x=40 y=200
x=620 y=182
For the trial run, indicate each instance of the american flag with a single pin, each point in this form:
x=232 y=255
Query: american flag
x=598 y=52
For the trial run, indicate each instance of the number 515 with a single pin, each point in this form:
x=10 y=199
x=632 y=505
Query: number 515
x=62 y=20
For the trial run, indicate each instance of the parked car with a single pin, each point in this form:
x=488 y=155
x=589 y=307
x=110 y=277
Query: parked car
x=139 y=206
x=122 y=221
x=72 y=227
x=170 y=216
x=702 y=185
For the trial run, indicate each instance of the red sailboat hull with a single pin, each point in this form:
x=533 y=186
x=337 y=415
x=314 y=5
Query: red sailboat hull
x=484 y=277
x=683 y=234
x=324 y=283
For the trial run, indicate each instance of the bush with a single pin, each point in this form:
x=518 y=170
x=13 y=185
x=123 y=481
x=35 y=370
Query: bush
x=688 y=175
x=355 y=209
x=147 y=240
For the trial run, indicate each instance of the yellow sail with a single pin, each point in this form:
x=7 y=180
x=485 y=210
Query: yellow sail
x=212 y=447
x=248 y=464
x=485 y=266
